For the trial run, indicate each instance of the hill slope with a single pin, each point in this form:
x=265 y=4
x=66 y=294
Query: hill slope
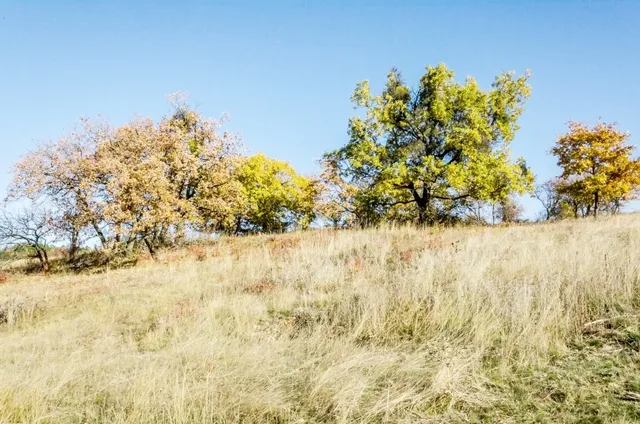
x=515 y=324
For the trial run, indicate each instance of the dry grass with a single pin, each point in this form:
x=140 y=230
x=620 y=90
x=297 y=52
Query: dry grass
x=389 y=325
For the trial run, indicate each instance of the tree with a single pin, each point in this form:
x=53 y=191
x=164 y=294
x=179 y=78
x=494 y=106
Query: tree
x=202 y=164
x=550 y=198
x=64 y=174
x=143 y=182
x=509 y=210
x=277 y=198
x=420 y=152
x=477 y=212
x=160 y=178
x=33 y=227
x=597 y=167
x=337 y=203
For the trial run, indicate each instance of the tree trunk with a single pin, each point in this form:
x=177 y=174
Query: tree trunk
x=596 y=200
x=181 y=235
x=422 y=215
x=100 y=234
x=130 y=245
x=43 y=258
x=423 y=203
x=73 y=247
x=238 y=229
x=152 y=252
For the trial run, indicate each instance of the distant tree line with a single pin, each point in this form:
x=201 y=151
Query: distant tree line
x=437 y=153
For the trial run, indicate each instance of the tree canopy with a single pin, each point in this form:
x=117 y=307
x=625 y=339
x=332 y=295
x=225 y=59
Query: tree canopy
x=598 y=168
x=144 y=181
x=276 y=197
x=415 y=154
x=437 y=152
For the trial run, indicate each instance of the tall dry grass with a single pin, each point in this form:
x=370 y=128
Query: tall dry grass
x=388 y=325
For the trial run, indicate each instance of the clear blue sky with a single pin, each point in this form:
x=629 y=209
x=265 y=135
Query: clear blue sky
x=285 y=70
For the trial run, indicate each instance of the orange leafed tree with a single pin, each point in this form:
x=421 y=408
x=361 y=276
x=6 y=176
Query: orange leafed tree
x=598 y=167
x=162 y=177
x=65 y=173
x=143 y=182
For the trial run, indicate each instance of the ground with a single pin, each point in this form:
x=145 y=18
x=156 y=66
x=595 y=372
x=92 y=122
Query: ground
x=529 y=323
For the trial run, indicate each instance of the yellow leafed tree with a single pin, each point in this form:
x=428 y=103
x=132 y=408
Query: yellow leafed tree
x=598 y=169
x=277 y=198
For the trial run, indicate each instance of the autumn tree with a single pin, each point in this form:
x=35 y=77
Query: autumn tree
x=161 y=177
x=598 y=169
x=202 y=162
x=418 y=153
x=276 y=197
x=143 y=182
x=341 y=203
x=64 y=174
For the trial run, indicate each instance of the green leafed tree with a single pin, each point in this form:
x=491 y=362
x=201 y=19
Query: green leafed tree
x=277 y=198
x=416 y=153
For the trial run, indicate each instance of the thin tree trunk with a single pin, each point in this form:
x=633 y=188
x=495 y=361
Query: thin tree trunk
x=100 y=234
x=43 y=258
x=130 y=245
x=73 y=247
x=423 y=206
x=152 y=252
x=595 y=204
x=180 y=233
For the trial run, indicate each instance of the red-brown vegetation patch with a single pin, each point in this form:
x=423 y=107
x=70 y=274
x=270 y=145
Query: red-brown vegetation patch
x=279 y=245
x=263 y=286
x=199 y=253
x=354 y=263
x=406 y=255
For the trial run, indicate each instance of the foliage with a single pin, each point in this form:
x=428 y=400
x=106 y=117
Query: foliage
x=477 y=212
x=65 y=173
x=141 y=182
x=337 y=204
x=415 y=155
x=277 y=198
x=598 y=169
x=158 y=178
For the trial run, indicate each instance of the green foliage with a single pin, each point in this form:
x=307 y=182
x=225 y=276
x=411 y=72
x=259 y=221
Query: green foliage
x=277 y=198
x=415 y=154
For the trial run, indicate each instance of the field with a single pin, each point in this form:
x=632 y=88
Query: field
x=532 y=323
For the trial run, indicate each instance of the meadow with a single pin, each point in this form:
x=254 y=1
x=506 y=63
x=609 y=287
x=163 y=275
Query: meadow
x=509 y=324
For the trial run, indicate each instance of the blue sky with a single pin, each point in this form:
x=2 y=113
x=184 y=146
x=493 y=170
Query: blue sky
x=285 y=70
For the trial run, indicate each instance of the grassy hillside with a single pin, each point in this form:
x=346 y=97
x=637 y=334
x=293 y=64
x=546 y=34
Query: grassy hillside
x=513 y=324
